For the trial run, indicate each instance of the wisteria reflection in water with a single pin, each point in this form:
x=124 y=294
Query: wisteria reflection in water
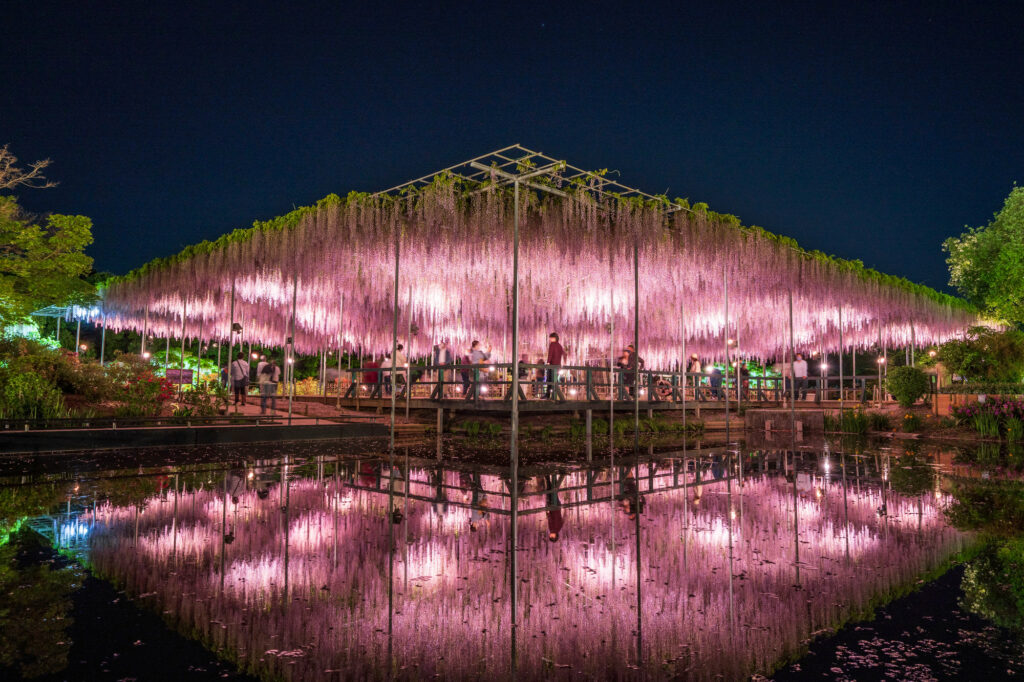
x=304 y=587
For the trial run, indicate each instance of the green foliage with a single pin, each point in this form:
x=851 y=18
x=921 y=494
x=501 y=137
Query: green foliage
x=41 y=264
x=206 y=399
x=878 y=421
x=986 y=354
x=993 y=583
x=34 y=616
x=1014 y=429
x=986 y=424
x=850 y=421
x=911 y=423
x=29 y=396
x=907 y=385
x=987 y=263
x=984 y=388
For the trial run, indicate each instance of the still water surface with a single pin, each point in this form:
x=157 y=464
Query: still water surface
x=320 y=562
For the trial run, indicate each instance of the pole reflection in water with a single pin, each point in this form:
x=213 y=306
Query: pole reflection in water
x=308 y=581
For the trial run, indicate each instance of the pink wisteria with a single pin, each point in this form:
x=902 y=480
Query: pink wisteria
x=576 y=277
x=722 y=591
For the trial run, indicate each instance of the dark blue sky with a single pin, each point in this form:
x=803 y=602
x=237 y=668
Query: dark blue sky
x=872 y=131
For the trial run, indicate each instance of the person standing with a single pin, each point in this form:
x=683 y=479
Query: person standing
x=800 y=377
x=555 y=355
x=477 y=357
x=268 y=375
x=240 y=377
x=442 y=358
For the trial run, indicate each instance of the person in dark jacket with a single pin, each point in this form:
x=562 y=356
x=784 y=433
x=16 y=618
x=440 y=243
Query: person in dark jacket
x=555 y=355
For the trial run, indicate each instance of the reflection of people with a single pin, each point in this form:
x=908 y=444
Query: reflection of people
x=478 y=502
x=629 y=495
x=440 y=504
x=554 y=505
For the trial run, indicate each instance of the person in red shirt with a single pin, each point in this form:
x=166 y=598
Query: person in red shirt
x=555 y=355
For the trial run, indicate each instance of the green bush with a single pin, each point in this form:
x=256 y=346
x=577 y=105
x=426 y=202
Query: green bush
x=1014 y=429
x=907 y=385
x=911 y=423
x=29 y=396
x=853 y=421
x=878 y=421
x=986 y=424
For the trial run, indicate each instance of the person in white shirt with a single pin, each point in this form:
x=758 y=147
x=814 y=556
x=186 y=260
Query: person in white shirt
x=800 y=376
x=240 y=377
x=268 y=375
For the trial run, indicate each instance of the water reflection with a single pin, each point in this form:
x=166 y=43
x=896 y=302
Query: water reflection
x=698 y=563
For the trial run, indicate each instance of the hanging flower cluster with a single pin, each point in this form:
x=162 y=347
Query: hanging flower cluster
x=335 y=264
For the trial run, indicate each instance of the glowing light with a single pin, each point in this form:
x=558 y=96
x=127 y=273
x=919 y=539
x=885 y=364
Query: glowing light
x=932 y=353
x=290 y=361
x=824 y=366
x=255 y=356
x=881 y=360
x=146 y=355
x=252 y=475
x=483 y=389
x=732 y=342
x=83 y=348
x=572 y=391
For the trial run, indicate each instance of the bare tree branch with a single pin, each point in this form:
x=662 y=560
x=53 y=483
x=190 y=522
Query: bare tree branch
x=11 y=175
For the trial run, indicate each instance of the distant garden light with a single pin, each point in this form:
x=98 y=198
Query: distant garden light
x=881 y=360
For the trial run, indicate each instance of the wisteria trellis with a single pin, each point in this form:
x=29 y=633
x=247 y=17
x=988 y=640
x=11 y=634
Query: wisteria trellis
x=576 y=260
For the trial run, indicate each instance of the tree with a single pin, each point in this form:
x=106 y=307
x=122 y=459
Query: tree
x=12 y=176
x=987 y=263
x=41 y=264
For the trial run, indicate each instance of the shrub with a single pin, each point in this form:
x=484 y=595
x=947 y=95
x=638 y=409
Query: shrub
x=853 y=421
x=29 y=396
x=878 y=421
x=1014 y=429
x=986 y=424
x=911 y=423
x=907 y=385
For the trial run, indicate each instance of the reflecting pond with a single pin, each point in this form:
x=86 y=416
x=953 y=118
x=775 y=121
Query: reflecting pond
x=327 y=562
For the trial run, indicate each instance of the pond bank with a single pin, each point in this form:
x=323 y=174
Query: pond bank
x=924 y=635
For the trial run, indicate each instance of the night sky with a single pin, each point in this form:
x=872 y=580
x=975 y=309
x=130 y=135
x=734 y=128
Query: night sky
x=873 y=131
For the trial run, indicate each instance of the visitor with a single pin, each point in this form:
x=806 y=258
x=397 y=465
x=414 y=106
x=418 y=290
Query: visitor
x=442 y=357
x=401 y=365
x=259 y=366
x=538 y=377
x=464 y=373
x=715 y=379
x=625 y=377
x=240 y=377
x=696 y=368
x=386 y=377
x=268 y=375
x=371 y=378
x=477 y=356
x=800 y=377
x=554 y=361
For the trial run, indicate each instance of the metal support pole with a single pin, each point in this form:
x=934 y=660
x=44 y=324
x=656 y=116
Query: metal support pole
x=636 y=344
x=181 y=358
x=167 y=355
x=514 y=437
x=78 y=338
x=291 y=347
x=103 y=337
x=408 y=357
x=394 y=343
x=880 y=362
x=590 y=434
x=145 y=330
x=841 y=401
x=725 y=292
x=913 y=343
x=231 y=338
x=792 y=375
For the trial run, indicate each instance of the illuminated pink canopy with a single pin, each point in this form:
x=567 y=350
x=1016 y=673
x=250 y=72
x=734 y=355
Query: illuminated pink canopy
x=578 y=231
